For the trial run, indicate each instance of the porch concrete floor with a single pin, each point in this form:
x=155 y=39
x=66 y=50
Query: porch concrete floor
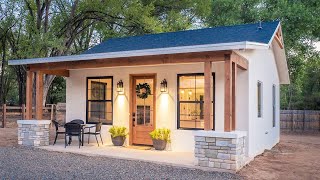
x=182 y=159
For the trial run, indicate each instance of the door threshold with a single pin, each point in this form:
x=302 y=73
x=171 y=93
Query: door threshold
x=140 y=147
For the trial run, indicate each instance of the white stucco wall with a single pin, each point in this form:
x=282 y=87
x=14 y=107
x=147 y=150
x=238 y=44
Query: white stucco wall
x=166 y=108
x=262 y=67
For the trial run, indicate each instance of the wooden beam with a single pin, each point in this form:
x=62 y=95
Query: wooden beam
x=29 y=86
x=207 y=95
x=278 y=38
x=228 y=96
x=134 y=61
x=241 y=62
x=234 y=88
x=279 y=41
x=64 y=73
x=39 y=95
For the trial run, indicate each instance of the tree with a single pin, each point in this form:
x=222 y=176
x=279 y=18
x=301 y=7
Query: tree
x=301 y=28
x=46 y=28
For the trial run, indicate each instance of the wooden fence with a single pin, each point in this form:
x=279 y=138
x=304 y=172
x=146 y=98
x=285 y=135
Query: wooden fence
x=300 y=120
x=13 y=113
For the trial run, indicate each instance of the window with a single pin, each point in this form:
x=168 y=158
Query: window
x=191 y=101
x=274 y=106
x=259 y=93
x=99 y=99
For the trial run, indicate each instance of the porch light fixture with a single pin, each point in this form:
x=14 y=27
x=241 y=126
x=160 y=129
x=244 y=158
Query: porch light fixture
x=120 y=87
x=163 y=86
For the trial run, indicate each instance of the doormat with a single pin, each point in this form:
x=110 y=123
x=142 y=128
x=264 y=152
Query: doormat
x=140 y=147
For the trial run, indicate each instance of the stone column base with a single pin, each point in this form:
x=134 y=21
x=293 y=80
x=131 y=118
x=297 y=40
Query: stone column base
x=220 y=150
x=33 y=132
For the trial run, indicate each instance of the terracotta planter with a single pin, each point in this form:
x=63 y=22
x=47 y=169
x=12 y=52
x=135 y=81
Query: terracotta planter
x=159 y=144
x=118 y=141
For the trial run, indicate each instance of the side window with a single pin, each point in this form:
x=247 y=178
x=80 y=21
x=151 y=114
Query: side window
x=259 y=94
x=273 y=105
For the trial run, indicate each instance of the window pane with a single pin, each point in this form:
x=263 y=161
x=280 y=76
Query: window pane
x=99 y=102
x=199 y=88
x=191 y=115
x=273 y=106
x=108 y=88
x=191 y=101
x=259 y=97
x=187 y=88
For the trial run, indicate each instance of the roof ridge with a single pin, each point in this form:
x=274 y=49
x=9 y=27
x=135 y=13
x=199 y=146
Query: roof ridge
x=188 y=30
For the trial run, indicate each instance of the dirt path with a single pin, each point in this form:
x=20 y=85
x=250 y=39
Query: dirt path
x=295 y=157
x=8 y=137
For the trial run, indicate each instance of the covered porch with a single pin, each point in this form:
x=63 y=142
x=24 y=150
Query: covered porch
x=232 y=61
x=218 y=133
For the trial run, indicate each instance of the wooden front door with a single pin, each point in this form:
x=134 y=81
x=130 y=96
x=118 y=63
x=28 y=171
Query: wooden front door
x=143 y=109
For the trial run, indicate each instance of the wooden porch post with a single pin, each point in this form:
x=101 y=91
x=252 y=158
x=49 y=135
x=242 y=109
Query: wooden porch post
x=234 y=85
x=228 y=96
x=207 y=95
x=39 y=95
x=30 y=75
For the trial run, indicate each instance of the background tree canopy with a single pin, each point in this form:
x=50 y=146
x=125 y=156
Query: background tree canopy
x=44 y=28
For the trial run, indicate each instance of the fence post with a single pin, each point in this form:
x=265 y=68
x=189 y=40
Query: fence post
x=292 y=121
x=4 y=114
x=23 y=110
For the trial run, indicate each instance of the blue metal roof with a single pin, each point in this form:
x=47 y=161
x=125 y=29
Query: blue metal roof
x=217 y=35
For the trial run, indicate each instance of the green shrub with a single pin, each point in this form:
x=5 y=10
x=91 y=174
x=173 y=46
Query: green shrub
x=161 y=134
x=116 y=131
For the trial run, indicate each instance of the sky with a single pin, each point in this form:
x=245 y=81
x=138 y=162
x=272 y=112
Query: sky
x=318 y=46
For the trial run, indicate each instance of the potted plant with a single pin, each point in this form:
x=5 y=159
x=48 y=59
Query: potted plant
x=160 y=137
x=118 y=135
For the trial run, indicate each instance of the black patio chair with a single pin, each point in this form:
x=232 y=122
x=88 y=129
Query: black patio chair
x=72 y=129
x=96 y=132
x=78 y=121
x=57 y=125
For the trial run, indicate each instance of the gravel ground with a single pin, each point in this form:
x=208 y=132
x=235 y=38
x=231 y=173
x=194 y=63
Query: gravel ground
x=31 y=163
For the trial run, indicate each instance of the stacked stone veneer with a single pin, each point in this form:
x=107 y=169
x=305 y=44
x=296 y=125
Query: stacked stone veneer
x=33 y=132
x=223 y=152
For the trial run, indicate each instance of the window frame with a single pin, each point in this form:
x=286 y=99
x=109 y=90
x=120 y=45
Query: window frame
x=87 y=100
x=274 y=105
x=259 y=99
x=178 y=100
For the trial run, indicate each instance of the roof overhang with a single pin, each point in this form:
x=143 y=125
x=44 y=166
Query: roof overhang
x=145 y=52
x=277 y=45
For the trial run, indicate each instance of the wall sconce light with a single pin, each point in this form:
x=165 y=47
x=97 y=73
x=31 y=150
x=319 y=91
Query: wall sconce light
x=163 y=86
x=120 y=87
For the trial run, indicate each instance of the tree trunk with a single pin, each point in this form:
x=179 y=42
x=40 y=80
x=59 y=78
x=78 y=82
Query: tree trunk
x=3 y=63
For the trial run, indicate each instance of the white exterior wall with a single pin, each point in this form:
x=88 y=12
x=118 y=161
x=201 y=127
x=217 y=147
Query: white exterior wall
x=166 y=104
x=262 y=67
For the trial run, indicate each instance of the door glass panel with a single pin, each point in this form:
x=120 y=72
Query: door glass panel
x=144 y=106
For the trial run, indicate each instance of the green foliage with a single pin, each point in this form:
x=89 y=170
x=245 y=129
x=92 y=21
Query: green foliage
x=116 y=131
x=161 y=134
x=57 y=91
x=301 y=28
x=74 y=26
